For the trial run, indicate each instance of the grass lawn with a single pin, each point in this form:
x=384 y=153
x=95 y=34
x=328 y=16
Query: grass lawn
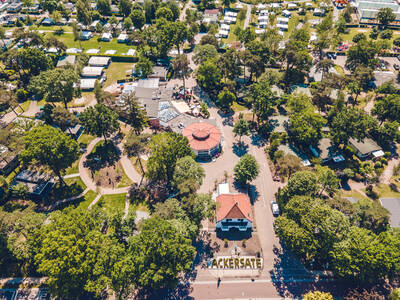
x=23 y=106
x=85 y=139
x=55 y=28
x=111 y=202
x=87 y=199
x=93 y=43
x=232 y=37
x=125 y=181
x=353 y=194
x=117 y=71
x=238 y=107
x=384 y=191
x=136 y=164
x=73 y=187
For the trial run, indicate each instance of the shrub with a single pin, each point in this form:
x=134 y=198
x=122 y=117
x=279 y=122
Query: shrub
x=348 y=173
x=369 y=191
x=278 y=154
x=21 y=94
x=383 y=161
x=388 y=154
x=358 y=177
x=396 y=170
x=378 y=165
x=386 y=34
x=226 y=243
x=244 y=243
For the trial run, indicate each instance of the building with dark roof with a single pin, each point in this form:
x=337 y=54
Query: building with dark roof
x=38 y=184
x=365 y=148
x=327 y=151
x=204 y=139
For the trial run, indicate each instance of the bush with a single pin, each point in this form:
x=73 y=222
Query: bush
x=378 y=165
x=358 y=37
x=21 y=94
x=395 y=294
x=396 y=170
x=383 y=161
x=386 y=34
x=244 y=243
x=369 y=191
x=348 y=173
x=278 y=154
x=388 y=154
x=226 y=243
x=358 y=177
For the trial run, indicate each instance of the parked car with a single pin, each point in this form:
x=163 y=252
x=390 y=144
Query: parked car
x=275 y=208
x=396 y=67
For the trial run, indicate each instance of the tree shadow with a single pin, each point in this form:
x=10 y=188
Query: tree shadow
x=257 y=140
x=106 y=154
x=240 y=148
x=292 y=279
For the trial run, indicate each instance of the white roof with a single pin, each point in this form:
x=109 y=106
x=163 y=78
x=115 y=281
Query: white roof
x=93 y=51
x=225 y=27
x=223 y=33
x=282 y=20
x=87 y=84
x=282 y=26
x=92 y=71
x=292 y=5
x=231 y=14
x=111 y=52
x=99 y=60
x=264 y=11
x=131 y=52
x=259 y=31
x=262 y=18
x=286 y=12
x=378 y=153
x=122 y=37
x=309 y=4
x=223 y=188
x=106 y=35
x=275 y=5
x=73 y=50
x=261 y=6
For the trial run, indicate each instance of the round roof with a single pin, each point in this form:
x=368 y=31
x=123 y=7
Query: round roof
x=202 y=136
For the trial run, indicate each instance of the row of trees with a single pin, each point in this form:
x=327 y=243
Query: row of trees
x=332 y=233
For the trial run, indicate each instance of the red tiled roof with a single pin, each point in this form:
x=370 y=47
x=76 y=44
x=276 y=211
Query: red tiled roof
x=202 y=136
x=233 y=206
x=211 y=11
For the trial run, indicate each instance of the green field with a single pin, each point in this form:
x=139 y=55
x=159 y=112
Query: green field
x=112 y=202
x=117 y=71
x=93 y=43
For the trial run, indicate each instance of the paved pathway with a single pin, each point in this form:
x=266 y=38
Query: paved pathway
x=130 y=171
x=248 y=15
x=32 y=110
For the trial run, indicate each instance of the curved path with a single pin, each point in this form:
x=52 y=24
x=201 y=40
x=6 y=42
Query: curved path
x=129 y=170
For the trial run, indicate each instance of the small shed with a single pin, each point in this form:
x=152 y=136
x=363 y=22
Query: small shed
x=92 y=72
x=99 y=61
x=365 y=148
x=66 y=60
x=159 y=72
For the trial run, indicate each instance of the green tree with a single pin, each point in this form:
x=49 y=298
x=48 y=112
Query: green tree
x=33 y=60
x=203 y=53
x=49 y=5
x=125 y=7
x=362 y=54
x=327 y=180
x=387 y=108
x=164 y=12
x=305 y=127
x=160 y=253
x=57 y=85
x=241 y=128
x=209 y=77
x=351 y=123
x=188 y=171
x=289 y=164
x=138 y=18
x=317 y=296
x=247 y=169
x=144 y=66
x=100 y=121
x=385 y=16
x=20 y=191
x=372 y=215
x=226 y=99
x=134 y=146
x=63 y=118
x=104 y=7
x=262 y=99
x=302 y=183
x=49 y=147
x=180 y=65
x=83 y=12
x=165 y=149
x=355 y=258
x=136 y=115
x=78 y=263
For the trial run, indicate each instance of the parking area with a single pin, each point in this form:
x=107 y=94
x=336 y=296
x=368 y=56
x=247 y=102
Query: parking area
x=393 y=206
